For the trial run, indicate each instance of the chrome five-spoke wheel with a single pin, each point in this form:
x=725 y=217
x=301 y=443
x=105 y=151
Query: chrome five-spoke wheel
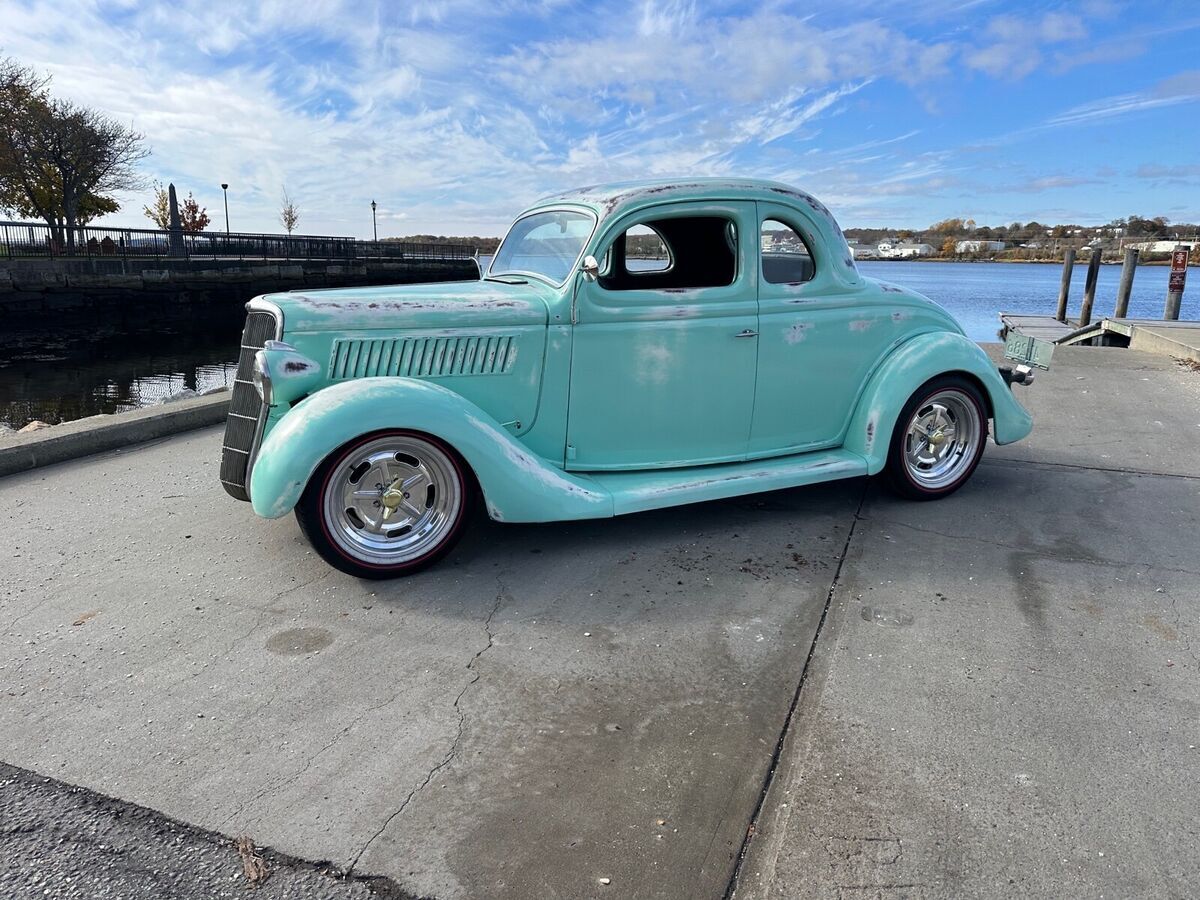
x=388 y=504
x=939 y=439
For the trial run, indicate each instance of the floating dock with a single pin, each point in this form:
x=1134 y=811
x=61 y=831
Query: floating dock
x=1169 y=338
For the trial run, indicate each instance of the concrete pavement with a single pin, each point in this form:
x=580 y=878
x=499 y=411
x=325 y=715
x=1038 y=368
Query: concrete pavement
x=1004 y=701
x=515 y=722
x=558 y=705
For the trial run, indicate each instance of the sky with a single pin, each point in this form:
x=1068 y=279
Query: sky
x=453 y=115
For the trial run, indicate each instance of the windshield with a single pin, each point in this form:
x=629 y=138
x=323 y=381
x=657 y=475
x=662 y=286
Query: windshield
x=546 y=244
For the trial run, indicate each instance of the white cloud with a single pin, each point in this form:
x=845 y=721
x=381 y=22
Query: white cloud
x=664 y=17
x=454 y=113
x=1014 y=51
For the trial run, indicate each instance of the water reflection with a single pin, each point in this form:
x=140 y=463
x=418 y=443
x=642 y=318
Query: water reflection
x=80 y=369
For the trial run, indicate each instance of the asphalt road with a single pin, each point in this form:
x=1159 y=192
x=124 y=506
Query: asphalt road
x=69 y=843
x=1003 y=686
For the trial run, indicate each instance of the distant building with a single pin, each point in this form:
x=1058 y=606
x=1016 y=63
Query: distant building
x=978 y=246
x=1163 y=246
x=781 y=241
x=864 y=251
x=888 y=250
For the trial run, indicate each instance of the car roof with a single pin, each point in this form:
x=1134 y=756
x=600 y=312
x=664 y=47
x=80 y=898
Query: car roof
x=617 y=198
x=613 y=200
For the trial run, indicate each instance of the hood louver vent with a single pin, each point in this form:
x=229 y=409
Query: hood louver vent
x=432 y=357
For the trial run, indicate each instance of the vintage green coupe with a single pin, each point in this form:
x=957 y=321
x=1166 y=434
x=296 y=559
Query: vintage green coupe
x=577 y=380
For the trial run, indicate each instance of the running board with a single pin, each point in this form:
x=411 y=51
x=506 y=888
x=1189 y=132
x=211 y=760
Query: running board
x=638 y=491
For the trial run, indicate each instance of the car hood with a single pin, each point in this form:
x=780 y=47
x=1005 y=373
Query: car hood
x=439 y=305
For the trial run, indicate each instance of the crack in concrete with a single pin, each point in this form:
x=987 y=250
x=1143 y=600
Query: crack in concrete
x=1180 y=630
x=768 y=780
x=292 y=776
x=30 y=611
x=1021 y=463
x=502 y=595
x=260 y=612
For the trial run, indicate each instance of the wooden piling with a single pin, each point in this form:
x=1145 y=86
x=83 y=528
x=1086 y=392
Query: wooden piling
x=1126 y=286
x=1177 y=278
x=1064 y=289
x=1089 y=287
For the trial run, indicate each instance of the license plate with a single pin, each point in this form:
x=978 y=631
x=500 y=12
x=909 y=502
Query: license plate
x=1028 y=350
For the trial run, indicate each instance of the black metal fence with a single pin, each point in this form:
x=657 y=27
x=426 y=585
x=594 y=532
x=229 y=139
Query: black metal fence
x=36 y=239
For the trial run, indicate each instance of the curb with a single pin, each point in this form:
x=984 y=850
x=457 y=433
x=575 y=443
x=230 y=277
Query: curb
x=96 y=434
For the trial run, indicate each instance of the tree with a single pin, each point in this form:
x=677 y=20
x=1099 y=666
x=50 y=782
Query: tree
x=289 y=215
x=40 y=197
x=192 y=216
x=949 y=246
x=20 y=88
x=58 y=160
x=947 y=226
x=159 y=210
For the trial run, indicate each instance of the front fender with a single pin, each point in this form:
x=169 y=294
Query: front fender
x=518 y=485
x=908 y=367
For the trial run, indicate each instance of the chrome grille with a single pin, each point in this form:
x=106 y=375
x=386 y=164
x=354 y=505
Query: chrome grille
x=422 y=357
x=247 y=415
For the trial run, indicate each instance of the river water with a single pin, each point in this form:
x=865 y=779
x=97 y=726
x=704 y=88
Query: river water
x=76 y=371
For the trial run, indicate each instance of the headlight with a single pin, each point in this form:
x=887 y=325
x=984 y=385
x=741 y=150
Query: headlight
x=282 y=375
x=262 y=377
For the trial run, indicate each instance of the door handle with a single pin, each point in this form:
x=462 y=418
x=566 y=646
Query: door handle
x=747 y=333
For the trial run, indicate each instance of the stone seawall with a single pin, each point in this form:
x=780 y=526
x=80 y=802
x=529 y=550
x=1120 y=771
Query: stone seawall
x=31 y=290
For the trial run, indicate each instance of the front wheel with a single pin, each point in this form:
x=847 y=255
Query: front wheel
x=388 y=504
x=938 y=439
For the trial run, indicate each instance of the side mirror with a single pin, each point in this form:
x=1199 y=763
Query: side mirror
x=590 y=268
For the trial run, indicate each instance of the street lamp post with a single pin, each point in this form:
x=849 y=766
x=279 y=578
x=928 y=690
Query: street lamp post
x=374 y=227
x=225 y=191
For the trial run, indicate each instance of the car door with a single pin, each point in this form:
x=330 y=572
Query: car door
x=664 y=355
x=817 y=340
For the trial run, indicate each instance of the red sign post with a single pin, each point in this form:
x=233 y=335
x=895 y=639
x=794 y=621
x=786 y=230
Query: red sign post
x=1176 y=280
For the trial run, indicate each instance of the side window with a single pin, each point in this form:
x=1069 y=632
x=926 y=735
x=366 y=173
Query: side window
x=672 y=254
x=645 y=250
x=785 y=256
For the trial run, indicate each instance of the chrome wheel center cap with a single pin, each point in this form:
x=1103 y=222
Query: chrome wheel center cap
x=391 y=498
x=937 y=438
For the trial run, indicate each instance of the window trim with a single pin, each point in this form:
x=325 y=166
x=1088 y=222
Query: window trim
x=731 y=222
x=771 y=216
x=670 y=252
x=572 y=270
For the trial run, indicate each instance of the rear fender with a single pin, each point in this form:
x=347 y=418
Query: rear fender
x=907 y=368
x=518 y=485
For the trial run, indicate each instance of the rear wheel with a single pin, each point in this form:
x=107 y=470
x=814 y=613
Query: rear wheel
x=938 y=439
x=388 y=504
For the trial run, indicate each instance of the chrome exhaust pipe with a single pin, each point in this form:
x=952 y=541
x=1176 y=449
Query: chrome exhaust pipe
x=1017 y=375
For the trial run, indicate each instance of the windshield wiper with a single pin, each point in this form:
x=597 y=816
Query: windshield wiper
x=512 y=279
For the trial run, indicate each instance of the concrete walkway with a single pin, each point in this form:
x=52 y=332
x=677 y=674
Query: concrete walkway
x=1003 y=687
x=1005 y=699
